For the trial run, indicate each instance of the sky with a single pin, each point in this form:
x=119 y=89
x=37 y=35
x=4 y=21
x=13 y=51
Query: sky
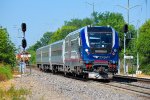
x=42 y=16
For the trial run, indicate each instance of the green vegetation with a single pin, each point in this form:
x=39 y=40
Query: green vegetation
x=13 y=94
x=61 y=33
x=143 y=47
x=5 y=73
x=7 y=55
x=7 y=48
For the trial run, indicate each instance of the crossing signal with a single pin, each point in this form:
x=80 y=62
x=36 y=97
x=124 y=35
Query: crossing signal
x=125 y=28
x=24 y=43
x=23 y=25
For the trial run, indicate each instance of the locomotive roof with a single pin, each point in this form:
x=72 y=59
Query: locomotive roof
x=57 y=42
x=104 y=28
x=50 y=44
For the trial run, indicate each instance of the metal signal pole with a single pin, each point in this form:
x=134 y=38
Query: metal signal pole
x=128 y=8
x=24 y=43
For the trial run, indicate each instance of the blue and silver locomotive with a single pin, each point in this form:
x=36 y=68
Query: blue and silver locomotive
x=91 y=51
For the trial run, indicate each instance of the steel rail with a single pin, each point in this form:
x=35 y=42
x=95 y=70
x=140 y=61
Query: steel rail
x=130 y=78
x=137 y=89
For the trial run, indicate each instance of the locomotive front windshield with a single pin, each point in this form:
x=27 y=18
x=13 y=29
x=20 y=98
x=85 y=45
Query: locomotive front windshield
x=100 y=42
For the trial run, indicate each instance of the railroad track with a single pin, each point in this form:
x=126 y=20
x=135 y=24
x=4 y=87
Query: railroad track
x=131 y=79
x=145 y=91
x=142 y=90
x=123 y=83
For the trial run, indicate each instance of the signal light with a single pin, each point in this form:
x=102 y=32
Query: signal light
x=23 y=25
x=125 y=28
x=24 y=43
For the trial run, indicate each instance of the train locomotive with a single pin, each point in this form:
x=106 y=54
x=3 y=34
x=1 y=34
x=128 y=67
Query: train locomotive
x=91 y=52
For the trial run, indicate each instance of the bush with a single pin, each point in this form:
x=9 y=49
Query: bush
x=5 y=73
x=145 y=69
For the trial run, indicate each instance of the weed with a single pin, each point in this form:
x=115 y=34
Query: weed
x=14 y=94
x=5 y=73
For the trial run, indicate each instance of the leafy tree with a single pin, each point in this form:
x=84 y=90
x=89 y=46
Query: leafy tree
x=78 y=23
x=143 y=47
x=33 y=56
x=46 y=38
x=43 y=41
x=143 y=43
x=62 y=33
x=7 y=48
x=3 y=43
x=74 y=22
x=69 y=26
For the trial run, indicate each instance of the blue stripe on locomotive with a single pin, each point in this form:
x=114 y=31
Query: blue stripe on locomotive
x=89 y=58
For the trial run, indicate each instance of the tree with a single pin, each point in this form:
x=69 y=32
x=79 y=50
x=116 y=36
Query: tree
x=78 y=23
x=61 y=33
x=69 y=26
x=43 y=41
x=46 y=38
x=143 y=47
x=143 y=43
x=7 y=48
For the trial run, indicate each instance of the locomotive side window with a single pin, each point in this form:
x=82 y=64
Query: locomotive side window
x=66 y=46
x=45 y=54
x=74 y=45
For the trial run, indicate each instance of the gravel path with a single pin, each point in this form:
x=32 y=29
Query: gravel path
x=46 y=86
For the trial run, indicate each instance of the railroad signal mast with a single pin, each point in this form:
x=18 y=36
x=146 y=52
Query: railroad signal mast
x=24 y=44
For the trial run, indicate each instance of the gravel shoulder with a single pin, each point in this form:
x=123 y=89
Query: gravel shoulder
x=39 y=85
x=46 y=86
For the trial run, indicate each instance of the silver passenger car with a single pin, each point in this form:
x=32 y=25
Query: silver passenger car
x=51 y=56
x=72 y=51
x=42 y=57
x=57 y=55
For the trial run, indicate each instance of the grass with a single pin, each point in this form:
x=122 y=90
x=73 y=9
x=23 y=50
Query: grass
x=5 y=72
x=13 y=94
x=7 y=91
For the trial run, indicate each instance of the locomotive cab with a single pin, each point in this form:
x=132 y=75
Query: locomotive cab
x=99 y=50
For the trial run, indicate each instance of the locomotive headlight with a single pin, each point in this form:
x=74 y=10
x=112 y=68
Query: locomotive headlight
x=86 y=50
x=113 y=62
x=115 y=50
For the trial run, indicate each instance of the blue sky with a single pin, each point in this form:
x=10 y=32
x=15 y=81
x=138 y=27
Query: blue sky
x=49 y=15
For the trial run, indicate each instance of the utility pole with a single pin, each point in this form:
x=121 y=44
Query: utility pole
x=128 y=8
x=137 y=51
x=93 y=6
x=146 y=10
